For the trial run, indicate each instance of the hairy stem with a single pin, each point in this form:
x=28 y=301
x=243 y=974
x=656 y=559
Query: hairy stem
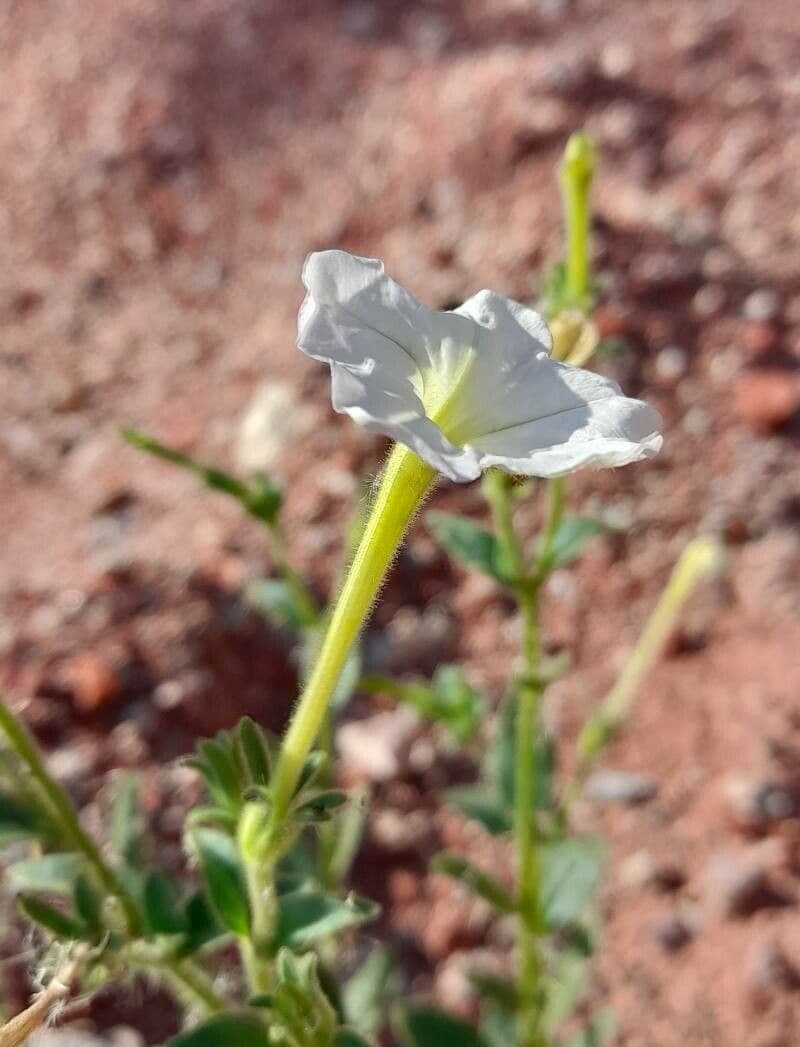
x=405 y=483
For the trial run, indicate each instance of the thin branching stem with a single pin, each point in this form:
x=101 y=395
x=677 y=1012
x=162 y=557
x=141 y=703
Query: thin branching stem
x=64 y=813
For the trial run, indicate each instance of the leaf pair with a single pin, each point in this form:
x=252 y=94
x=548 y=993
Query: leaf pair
x=448 y=698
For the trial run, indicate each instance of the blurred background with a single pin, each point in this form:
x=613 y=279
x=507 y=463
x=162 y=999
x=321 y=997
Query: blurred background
x=164 y=169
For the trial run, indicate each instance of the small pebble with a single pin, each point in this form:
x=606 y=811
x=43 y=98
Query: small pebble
x=738 y=889
x=377 y=747
x=766 y=400
x=672 y=363
x=756 y=805
x=672 y=933
x=620 y=787
x=761 y=305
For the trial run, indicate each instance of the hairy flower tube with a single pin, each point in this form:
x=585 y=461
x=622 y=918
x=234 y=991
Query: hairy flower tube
x=459 y=392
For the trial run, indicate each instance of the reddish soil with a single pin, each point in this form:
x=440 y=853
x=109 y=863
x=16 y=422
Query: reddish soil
x=166 y=167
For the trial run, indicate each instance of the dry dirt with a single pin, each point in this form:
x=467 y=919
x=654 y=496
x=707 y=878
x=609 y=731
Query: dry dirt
x=164 y=168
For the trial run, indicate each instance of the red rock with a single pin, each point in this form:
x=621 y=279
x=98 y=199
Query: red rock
x=93 y=681
x=760 y=338
x=766 y=400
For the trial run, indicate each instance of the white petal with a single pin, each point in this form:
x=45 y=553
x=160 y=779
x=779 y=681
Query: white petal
x=482 y=371
x=378 y=409
x=511 y=360
x=354 y=317
x=517 y=328
x=359 y=291
x=610 y=430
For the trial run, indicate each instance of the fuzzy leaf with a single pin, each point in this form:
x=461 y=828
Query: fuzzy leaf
x=348 y=1038
x=228 y=1030
x=255 y=752
x=474 y=803
x=303 y=918
x=126 y=829
x=365 y=991
x=201 y=923
x=88 y=904
x=52 y=919
x=570 y=871
x=53 y=873
x=481 y=883
x=21 y=821
x=163 y=906
x=223 y=877
x=470 y=544
x=448 y=699
x=274 y=599
x=430 y=1027
x=571 y=538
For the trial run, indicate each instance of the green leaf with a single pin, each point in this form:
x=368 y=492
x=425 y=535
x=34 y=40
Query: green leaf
x=473 y=802
x=255 y=752
x=348 y=1038
x=501 y=991
x=228 y=1030
x=261 y=497
x=350 y=825
x=201 y=923
x=162 y=905
x=274 y=599
x=366 y=989
x=565 y=989
x=570 y=539
x=52 y=919
x=481 y=883
x=470 y=544
x=264 y=498
x=315 y=764
x=429 y=1027
x=211 y=476
x=317 y=806
x=21 y=821
x=448 y=699
x=211 y=815
x=88 y=904
x=499 y=1027
x=304 y=918
x=54 y=873
x=126 y=829
x=570 y=876
x=217 y=754
x=223 y=877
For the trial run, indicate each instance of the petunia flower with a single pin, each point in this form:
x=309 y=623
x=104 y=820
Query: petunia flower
x=465 y=389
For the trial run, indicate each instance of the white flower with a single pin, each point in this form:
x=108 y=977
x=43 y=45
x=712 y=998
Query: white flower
x=467 y=389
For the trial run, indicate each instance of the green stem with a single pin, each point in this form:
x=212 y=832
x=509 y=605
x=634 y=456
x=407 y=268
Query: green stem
x=531 y=965
x=65 y=814
x=577 y=172
x=497 y=491
x=497 y=487
x=188 y=980
x=195 y=983
x=405 y=483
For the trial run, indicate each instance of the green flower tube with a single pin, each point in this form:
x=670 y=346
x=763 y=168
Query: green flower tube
x=406 y=481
